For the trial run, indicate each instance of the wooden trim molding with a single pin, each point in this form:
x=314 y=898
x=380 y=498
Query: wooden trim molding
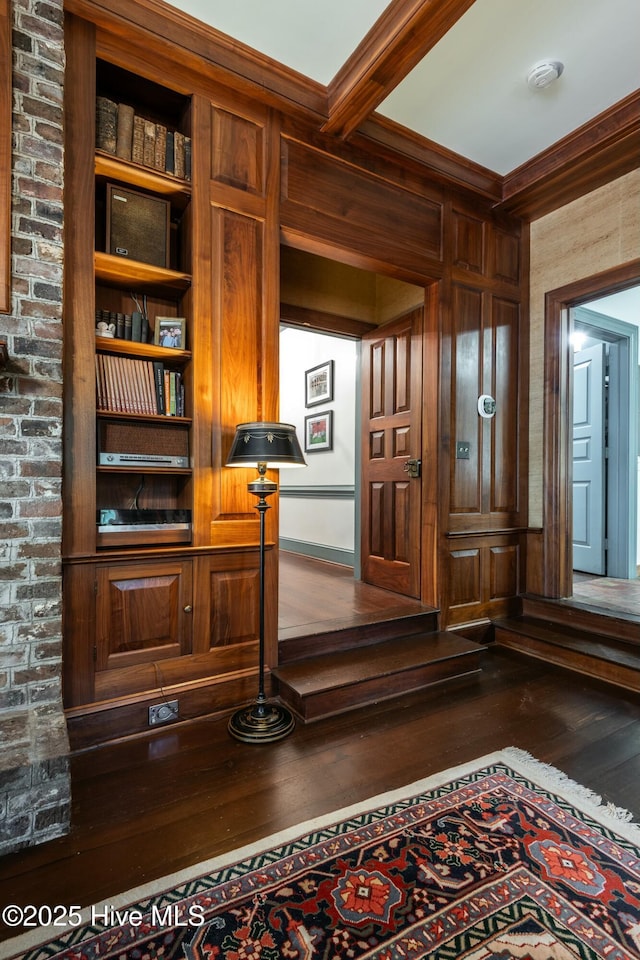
x=327 y=322
x=557 y=559
x=601 y=150
x=5 y=156
x=399 y=39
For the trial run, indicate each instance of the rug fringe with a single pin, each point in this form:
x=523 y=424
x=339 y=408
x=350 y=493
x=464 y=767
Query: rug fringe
x=616 y=819
x=605 y=812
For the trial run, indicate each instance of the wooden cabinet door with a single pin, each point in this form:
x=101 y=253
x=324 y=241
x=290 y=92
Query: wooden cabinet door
x=143 y=613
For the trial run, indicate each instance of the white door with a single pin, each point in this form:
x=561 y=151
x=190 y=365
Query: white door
x=589 y=493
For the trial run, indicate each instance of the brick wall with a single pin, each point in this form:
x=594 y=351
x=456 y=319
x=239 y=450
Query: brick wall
x=34 y=778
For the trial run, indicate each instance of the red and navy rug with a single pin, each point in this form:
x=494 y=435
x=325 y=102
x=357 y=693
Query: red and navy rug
x=500 y=859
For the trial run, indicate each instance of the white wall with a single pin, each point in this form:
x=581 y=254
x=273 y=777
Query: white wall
x=322 y=525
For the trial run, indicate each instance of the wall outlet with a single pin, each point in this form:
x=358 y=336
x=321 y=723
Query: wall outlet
x=463 y=448
x=163 y=713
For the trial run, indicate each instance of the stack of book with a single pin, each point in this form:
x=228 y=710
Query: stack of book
x=123 y=133
x=142 y=387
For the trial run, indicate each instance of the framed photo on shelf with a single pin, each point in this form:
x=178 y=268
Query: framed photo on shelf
x=170 y=332
x=318 y=432
x=318 y=384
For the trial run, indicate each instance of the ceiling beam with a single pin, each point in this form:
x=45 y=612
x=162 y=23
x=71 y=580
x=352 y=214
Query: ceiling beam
x=398 y=40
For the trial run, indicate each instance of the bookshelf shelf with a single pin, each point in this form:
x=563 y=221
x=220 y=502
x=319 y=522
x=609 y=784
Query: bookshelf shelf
x=165 y=471
x=137 y=175
x=146 y=351
x=144 y=417
x=118 y=272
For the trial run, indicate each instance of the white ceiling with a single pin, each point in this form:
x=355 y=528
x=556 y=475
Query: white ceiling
x=469 y=93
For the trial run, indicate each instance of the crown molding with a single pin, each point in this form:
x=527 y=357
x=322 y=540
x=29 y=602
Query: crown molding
x=601 y=150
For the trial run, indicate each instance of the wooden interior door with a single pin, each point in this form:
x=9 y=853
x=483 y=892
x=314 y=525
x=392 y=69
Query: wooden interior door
x=589 y=460
x=392 y=436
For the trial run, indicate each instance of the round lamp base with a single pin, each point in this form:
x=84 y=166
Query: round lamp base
x=261 y=723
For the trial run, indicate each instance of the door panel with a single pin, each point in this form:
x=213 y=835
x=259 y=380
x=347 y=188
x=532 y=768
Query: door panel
x=589 y=460
x=391 y=501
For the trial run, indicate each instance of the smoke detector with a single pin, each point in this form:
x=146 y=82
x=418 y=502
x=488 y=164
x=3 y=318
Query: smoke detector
x=544 y=73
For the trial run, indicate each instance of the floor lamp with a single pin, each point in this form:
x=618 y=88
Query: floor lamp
x=263 y=445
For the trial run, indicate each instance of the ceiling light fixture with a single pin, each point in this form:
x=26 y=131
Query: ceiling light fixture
x=544 y=73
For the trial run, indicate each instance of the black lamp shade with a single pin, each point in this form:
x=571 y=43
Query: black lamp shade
x=273 y=444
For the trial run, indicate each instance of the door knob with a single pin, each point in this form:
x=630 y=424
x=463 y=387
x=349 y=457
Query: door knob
x=412 y=467
x=188 y=608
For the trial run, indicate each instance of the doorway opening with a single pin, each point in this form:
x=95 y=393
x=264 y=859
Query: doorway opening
x=327 y=308
x=556 y=568
x=606 y=453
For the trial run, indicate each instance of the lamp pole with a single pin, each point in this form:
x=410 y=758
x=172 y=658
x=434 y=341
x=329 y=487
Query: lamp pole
x=264 y=721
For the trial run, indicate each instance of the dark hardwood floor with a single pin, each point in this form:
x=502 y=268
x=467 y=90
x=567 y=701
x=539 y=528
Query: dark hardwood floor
x=151 y=805
x=314 y=592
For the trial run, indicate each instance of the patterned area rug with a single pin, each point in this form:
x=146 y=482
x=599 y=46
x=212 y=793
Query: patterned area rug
x=501 y=858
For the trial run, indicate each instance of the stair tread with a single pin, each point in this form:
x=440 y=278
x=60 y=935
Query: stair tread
x=610 y=649
x=332 y=670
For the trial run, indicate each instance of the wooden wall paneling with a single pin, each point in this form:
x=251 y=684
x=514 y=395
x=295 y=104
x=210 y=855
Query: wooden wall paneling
x=351 y=209
x=465 y=578
x=484 y=576
x=234 y=598
x=78 y=624
x=237 y=272
x=245 y=298
x=506 y=258
x=467 y=348
x=5 y=154
x=79 y=537
x=205 y=430
x=238 y=151
x=504 y=429
x=504 y=571
x=431 y=382
x=468 y=241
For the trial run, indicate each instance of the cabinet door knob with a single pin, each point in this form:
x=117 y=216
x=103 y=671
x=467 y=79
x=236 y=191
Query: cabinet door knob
x=188 y=608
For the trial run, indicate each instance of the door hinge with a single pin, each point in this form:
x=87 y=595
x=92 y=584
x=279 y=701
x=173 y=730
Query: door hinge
x=95 y=653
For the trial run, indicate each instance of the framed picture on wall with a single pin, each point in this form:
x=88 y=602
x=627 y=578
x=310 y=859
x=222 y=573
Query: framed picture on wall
x=318 y=432
x=318 y=386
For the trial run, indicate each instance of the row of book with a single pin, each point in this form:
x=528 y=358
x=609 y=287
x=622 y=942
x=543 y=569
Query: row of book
x=124 y=326
x=128 y=385
x=123 y=133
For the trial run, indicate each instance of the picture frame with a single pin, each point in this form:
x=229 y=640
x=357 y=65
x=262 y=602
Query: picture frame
x=318 y=384
x=318 y=432
x=170 y=332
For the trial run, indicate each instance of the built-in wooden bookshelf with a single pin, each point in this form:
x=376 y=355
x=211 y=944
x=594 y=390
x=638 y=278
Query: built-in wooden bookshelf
x=140 y=384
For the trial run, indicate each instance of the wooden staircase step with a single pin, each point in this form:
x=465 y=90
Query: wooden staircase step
x=330 y=636
x=333 y=683
x=583 y=617
x=593 y=654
